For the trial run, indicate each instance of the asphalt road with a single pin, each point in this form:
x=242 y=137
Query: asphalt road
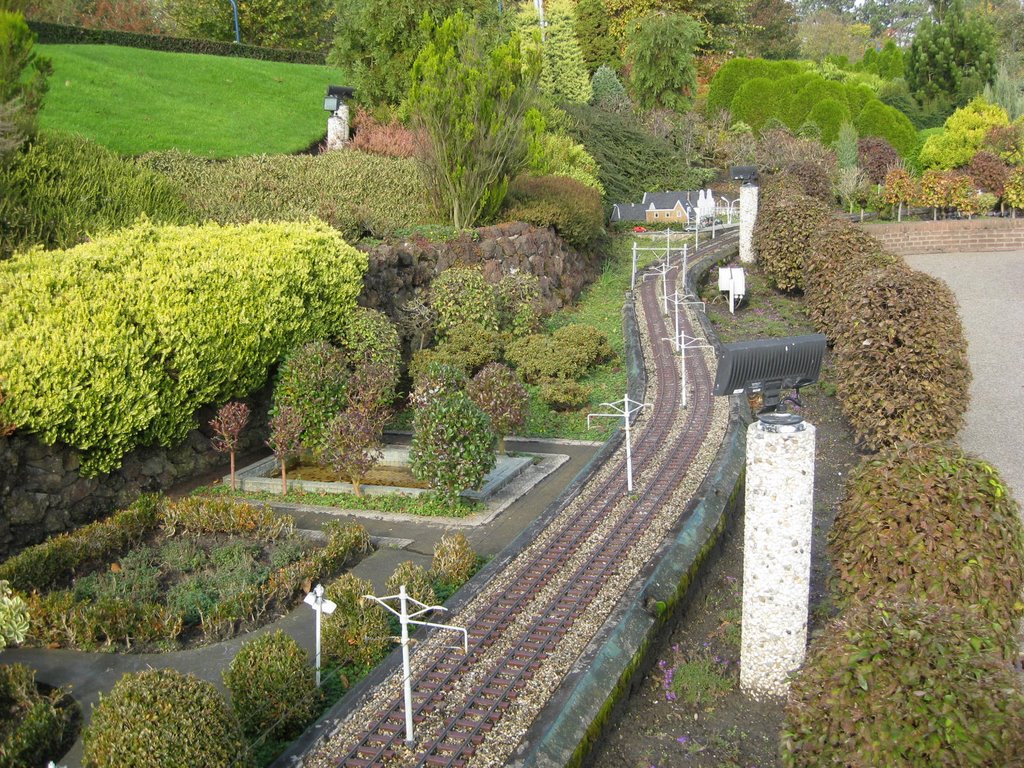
x=990 y=290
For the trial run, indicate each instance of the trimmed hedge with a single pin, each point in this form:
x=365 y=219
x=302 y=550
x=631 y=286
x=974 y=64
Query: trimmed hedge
x=116 y=343
x=54 y=563
x=929 y=523
x=904 y=685
x=786 y=222
x=901 y=359
x=273 y=688
x=567 y=354
x=57 y=34
x=355 y=192
x=61 y=190
x=838 y=253
x=571 y=208
x=163 y=717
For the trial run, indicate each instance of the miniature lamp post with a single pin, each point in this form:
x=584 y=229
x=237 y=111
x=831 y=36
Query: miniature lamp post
x=406 y=618
x=321 y=605
x=623 y=409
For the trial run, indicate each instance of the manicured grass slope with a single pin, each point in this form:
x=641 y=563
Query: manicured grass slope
x=136 y=101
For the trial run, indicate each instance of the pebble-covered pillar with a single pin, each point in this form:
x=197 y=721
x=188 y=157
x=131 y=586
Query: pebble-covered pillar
x=337 y=128
x=776 y=556
x=748 y=218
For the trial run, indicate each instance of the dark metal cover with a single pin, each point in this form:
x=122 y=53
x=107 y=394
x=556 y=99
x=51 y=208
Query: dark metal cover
x=341 y=91
x=769 y=365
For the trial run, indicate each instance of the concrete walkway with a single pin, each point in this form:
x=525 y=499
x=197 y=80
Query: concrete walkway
x=990 y=290
x=90 y=674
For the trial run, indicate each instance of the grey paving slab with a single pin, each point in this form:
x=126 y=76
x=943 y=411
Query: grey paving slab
x=990 y=290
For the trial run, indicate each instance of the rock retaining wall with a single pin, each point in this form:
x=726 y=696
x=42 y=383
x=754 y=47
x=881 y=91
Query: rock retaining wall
x=42 y=491
x=950 y=236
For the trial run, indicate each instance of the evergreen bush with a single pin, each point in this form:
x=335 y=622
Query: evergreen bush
x=469 y=346
x=452 y=445
x=33 y=725
x=454 y=560
x=566 y=354
x=357 y=633
x=273 y=688
x=880 y=119
x=60 y=190
x=519 y=303
x=572 y=209
x=909 y=685
x=314 y=381
x=498 y=391
x=461 y=294
x=932 y=524
x=163 y=717
x=416 y=581
x=901 y=359
x=561 y=395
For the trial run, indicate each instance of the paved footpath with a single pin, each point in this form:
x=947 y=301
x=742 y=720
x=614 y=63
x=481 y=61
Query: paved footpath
x=990 y=290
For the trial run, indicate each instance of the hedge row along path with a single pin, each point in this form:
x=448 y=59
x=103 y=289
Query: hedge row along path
x=532 y=620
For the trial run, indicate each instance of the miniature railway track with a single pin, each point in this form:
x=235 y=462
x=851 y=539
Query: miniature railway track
x=578 y=559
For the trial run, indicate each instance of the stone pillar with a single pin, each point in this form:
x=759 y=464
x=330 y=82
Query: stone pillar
x=748 y=218
x=337 y=128
x=776 y=555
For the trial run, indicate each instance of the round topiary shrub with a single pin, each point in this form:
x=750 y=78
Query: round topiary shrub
x=357 y=633
x=432 y=377
x=929 y=523
x=371 y=336
x=416 y=581
x=313 y=381
x=903 y=685
x=163 y=717
x=901 y=359
x=470 y=347
x=273 y=687
x=463 y=295
x=454 y=560
x=452 y=445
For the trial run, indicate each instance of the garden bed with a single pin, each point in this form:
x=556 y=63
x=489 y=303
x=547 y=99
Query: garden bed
x=162 y=576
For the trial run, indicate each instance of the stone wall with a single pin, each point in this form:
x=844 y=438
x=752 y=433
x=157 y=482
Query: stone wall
x=950 y=236
x=399 y=272
x=42 y=491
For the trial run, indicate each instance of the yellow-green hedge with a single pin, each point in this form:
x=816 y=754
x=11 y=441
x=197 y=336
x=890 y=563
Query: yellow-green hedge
x=115 y=343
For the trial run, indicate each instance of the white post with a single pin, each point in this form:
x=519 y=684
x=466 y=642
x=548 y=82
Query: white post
x=337 y=127
x=776 y=555
x=629 y=451
x=748 y=218
x=664 y=288
x=632 y=279
x=321 y=605
x=403 y=618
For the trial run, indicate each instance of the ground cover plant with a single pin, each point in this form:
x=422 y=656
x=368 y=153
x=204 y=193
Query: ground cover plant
x=133 y=101
x=161 y=574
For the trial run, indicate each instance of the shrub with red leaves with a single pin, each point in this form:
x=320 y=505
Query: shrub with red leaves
x=227 y=426
x=876 y=156
x=988 y=172
x=389 y=139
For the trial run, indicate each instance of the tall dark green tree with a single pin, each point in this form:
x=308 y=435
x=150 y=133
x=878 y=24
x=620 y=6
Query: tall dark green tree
x=469 y=96
x=660 y=55
x=771 y=32
x=593 y=32
x=953 y=56
x=563 y=76
x=23 y=74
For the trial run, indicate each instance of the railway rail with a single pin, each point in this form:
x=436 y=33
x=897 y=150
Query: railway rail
x=462 y=702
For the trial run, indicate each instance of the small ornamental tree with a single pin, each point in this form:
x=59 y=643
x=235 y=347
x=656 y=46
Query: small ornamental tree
x=1014 y=192
x=227 y=425
x=988 y=172
x=313 y=381
x=499 y=392
x=876 y=156
x=452 y=445
x=899 y=188
x=660 y=55
x=435 y=380
x=351 y=444
x=285 y=439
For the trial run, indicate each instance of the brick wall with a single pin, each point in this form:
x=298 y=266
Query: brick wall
x=950 y=236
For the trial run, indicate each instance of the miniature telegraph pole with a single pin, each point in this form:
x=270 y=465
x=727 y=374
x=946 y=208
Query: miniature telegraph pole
x=632 y=275
x=680 y=345
x=321 y=605
x=623 y=409
x=663 y=269
x=681 y=300
x=406 y=618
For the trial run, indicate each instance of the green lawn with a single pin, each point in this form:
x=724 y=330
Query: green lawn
x=134 y=101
